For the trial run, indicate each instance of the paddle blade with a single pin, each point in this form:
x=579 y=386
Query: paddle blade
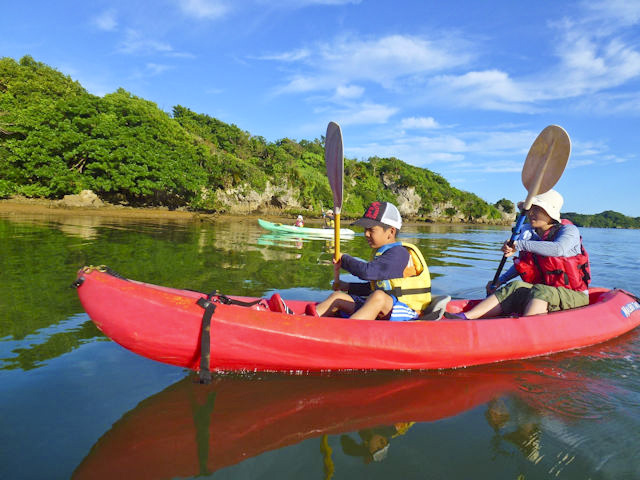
x=547 y=158
x=334 y=161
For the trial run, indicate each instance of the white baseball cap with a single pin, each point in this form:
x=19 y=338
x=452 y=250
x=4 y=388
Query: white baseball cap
x=380 y=213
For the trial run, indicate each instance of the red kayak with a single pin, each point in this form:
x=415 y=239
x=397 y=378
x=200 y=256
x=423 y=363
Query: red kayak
x=166 y=325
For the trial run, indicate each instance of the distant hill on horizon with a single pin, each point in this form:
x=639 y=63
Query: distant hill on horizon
x=606 y=219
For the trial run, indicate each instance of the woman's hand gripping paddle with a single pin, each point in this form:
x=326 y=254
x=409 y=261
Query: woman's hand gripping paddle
x=547 y=158
x=334 y=160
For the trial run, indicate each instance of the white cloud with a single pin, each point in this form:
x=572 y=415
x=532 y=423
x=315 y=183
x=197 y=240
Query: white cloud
x=419 y=123
x=292 y=56
x=364 y=113
x=624 y=12
x=305 y=3
x=611 y=103
x=383 y=61
x=135 y=42
x=301 y=83
x=387 y=58
x=348 y=91
x=590 y=63
x=156 y=69
x=204 y=9
x=106 y=21
x=587 y=69
x=489 y=89
x=473 y=151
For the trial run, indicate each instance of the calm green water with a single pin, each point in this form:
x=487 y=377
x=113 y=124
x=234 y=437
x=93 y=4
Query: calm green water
x=75 y=405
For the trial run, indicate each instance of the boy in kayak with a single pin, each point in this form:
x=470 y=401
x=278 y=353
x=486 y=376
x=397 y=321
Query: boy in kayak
x=398 y=285
x=553 y=264
x=329 y=219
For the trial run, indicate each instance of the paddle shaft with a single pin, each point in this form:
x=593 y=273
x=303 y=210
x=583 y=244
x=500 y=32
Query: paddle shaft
x=336 y=237
x=515 y=232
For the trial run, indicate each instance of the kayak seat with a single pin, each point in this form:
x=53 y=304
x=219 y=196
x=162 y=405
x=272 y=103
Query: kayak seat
x=435 y=310
x=276 y=304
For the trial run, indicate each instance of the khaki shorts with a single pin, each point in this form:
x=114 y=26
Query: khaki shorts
x=515 y=296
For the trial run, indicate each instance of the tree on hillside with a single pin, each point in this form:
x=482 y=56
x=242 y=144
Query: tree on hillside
x=505 y=205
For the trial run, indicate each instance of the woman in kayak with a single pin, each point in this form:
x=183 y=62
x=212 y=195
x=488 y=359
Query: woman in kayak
x=299 y=222
x=552 y=263
x=398 y=285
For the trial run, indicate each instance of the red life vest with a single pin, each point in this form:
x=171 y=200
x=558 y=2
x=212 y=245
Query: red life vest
x=569 y=272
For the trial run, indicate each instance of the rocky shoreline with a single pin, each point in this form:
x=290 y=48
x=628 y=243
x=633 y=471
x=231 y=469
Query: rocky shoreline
x=88 y=205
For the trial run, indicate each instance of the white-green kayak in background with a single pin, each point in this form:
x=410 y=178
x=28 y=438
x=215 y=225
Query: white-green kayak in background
x=293 y=230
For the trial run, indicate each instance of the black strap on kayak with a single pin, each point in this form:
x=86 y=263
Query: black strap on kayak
x=398 y=292
x=205 y=339
x=209 y=305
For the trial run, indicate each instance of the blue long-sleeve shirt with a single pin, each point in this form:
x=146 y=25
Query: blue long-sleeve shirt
x=391 y=263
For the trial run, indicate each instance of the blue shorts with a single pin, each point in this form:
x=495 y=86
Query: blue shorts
x=400 y=312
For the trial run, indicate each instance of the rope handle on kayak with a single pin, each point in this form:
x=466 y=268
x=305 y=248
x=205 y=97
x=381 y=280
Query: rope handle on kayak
x=102 y=269
x=95 y=268
x=230 y=301
x=216 y=297
x=91 y=268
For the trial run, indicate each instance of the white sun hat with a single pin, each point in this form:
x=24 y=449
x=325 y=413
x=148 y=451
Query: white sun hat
x=551 y=202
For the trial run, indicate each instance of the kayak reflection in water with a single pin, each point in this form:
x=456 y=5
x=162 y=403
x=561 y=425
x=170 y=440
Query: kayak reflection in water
x=375 y=441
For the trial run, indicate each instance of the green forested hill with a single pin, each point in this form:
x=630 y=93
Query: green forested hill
x=606 y=219
x=57 y=139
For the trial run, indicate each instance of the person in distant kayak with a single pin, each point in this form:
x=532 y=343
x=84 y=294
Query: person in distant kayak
x=398 y=285
x=553 y=264
x=329 y=219
x=299 y=222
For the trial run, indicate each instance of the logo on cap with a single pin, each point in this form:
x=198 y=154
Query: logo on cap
x=373 y=211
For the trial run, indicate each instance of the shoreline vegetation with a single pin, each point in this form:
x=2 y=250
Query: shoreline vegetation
x=20 y=207
x=58 y=141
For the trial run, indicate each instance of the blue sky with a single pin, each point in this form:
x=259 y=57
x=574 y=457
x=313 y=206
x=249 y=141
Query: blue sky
x=459 y=87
